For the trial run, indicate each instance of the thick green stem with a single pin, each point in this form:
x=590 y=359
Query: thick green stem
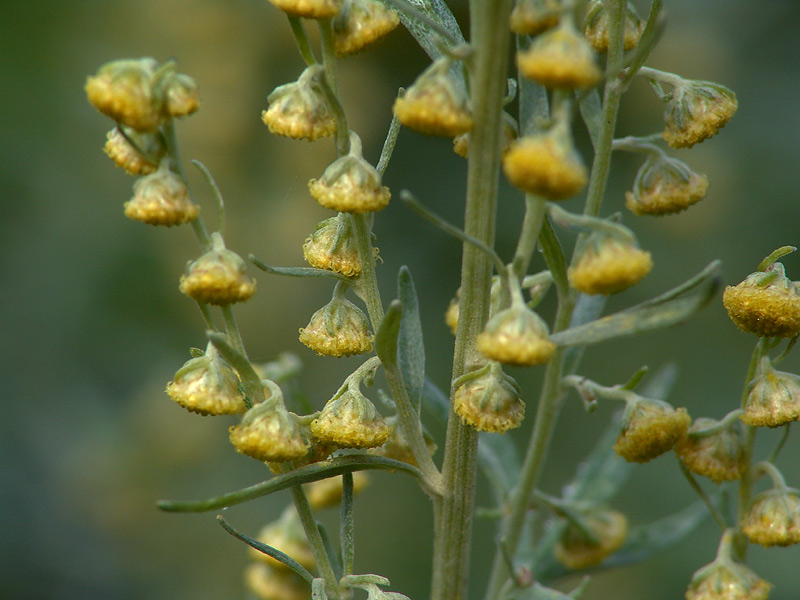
x=453 y=511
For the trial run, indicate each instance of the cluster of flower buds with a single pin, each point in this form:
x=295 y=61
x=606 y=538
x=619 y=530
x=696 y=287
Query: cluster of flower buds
x=218 y=277
x=435 y=104
x=726 y=579
x=298 y=110
x=663 y=186
x=350 y=184
x=207 y=385
x=488 y=399
x=766 y=303
x=649 y=428
x=591 y=536
x=140 y=94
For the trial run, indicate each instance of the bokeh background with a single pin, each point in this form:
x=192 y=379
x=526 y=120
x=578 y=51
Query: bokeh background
x=94 y=325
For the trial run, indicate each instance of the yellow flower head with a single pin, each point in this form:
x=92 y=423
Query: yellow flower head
x=161 y=198
x=489 y=400
x=649 y=428
x=360 y=24
x=218 y=277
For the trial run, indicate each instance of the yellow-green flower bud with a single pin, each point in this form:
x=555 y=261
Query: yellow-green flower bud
x=766 y=303
x=696 y=110
x=773 y=397
x=725 y=579
x=716 y=454
x=310 y=9
x=516 y=336
x=123 y=90
x=125 y=155
x=596 y=26
x=338 y=329
x=270 y=433
x=434 y=104
x=546 y=164
x=489 y=400
x=577 y=550
x=287 y=535
x=607 y=265
x=207 y=385
x=267 y=583
x=328 y=492
x=350 y=420
x=535 y=16
x=350 y=184
x=560 y=58
x=218 y=277
x=774 y=518
x=649 y=428
x=181 y=96
x=665 y=186
x=298 y=110
x=161 y=198
x=332 y=247
x=361 y=23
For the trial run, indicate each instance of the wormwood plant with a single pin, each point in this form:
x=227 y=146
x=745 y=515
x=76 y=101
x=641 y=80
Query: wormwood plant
x=574 y=60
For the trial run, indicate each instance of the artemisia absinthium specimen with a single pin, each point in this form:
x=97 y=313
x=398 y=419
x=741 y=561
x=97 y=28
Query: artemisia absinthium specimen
x=566 y=56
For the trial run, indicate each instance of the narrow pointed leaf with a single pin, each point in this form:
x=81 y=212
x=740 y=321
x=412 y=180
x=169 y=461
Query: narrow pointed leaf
x=296 y=271
x=306 y=474
x=386 y=338
x=435 y=400
x=672 y=307
x=268 y=550
x=410 y=351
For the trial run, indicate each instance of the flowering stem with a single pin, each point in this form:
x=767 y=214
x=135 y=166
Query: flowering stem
x=490 y=38
x=748 y=444
x=301 y=39
x=317 y=544
x=704 y=497
x=171 y=141
x=531 y=226
x=368 y=291
x=611 y=98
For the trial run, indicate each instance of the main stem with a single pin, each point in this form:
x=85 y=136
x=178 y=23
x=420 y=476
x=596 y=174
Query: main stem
x=453 y=511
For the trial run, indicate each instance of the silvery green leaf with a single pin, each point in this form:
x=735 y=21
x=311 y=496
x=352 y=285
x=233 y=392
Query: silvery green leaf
x=386 y=338
x=672 y=307
x=410 y=351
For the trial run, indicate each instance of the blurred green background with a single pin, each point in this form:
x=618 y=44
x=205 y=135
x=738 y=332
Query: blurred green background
x=95 y=325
